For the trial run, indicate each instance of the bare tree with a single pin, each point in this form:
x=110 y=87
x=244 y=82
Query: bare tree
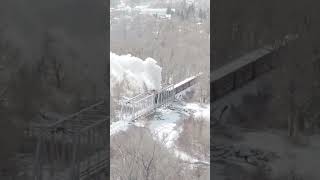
x=144 y=158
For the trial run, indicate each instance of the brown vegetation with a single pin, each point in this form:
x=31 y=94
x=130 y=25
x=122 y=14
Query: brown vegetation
x=194 y=138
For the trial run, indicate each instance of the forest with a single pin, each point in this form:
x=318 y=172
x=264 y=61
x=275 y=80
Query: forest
x=52 y=63
x=283 y=110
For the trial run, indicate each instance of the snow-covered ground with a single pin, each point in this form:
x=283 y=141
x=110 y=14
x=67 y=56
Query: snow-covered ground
x=118 y=126
x=199 y=111
x=164 y=125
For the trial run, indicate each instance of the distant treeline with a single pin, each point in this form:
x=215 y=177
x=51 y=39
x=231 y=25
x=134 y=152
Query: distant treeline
x=240 y=26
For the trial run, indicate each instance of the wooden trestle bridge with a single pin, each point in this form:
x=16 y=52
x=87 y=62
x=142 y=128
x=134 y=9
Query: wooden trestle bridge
x=75 y=147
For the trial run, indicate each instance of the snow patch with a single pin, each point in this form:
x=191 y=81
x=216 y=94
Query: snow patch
x=199 y=111
x=163 y=127
x=184 y=156
x=122 y=6
x=122 y=125
x=118 y=126
x=139 y=124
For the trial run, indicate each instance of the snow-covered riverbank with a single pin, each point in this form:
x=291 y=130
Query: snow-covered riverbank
x=164 y=125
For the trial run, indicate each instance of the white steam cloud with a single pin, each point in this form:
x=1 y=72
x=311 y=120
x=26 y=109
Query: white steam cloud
x=132 y=75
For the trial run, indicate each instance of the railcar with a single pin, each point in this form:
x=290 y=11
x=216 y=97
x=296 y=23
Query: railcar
x=241 y=71
x=185 y=84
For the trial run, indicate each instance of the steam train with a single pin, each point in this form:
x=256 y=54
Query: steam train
x=145 y=103
x=175 y=89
